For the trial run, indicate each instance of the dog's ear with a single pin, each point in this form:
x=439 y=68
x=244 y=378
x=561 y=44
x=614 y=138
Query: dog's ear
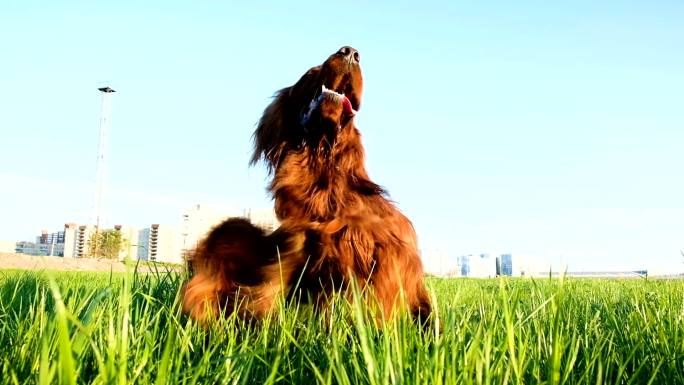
x=270 y=134
x=280 y=125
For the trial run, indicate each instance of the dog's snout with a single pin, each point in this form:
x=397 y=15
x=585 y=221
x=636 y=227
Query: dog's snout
x=350 y=53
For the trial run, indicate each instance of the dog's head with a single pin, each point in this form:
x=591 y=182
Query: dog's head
x=312 y=111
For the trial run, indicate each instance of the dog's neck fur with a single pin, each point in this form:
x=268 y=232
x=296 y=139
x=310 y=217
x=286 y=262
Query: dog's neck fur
x=326 y=174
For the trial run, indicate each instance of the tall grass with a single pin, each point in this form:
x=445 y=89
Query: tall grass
x=82 y=328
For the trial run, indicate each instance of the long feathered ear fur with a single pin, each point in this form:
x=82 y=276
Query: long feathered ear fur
x=279 y=126
x=270 y=135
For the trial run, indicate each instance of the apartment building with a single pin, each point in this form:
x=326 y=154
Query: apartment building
x=159 y=243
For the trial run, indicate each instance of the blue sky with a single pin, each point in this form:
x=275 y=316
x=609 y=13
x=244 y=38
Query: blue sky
x=554 y=131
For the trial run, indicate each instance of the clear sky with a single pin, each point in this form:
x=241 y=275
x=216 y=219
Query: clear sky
x=548 y=130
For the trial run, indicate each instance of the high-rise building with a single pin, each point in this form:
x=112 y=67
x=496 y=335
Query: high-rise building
x=464 y=261
x=82 y=236
x=506 y=264
x=69 y=239
x=159 y=243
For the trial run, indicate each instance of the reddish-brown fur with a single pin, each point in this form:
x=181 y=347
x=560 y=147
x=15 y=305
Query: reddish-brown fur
x=337 y=226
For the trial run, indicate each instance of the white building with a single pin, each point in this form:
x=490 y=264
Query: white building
x=159 y=243
x=69 y=240
x=198 y=220
x=201 y=218
x=130 y=243
x=438 y=262
x=264 y=218
x=8 y=246
x=478 y=266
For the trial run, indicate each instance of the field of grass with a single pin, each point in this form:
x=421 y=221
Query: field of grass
x=84 y=328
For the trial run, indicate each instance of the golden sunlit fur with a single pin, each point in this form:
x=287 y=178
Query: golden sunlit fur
x=337 y=226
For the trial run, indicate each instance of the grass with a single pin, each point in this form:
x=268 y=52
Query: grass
x=82 y=328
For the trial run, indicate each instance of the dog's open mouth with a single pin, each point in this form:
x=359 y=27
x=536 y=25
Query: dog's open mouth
x=338 y=97
x=329 y=95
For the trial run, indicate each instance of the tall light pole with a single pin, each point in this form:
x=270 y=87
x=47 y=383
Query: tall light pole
x=105 y=113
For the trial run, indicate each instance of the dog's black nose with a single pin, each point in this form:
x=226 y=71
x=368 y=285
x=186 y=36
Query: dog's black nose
x=350 y=53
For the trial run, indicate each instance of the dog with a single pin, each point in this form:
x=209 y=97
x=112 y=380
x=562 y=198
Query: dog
x=337 y=227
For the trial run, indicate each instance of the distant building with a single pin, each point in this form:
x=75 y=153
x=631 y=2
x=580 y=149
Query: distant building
x=8 y=247
x=478 y=265
x=82 y=236
x=32 y=248
x=200 y=219
x=50 y=238
x=506 y=264
x=263 y=218
x=130 y=243
x=46 y=244
x=69 y=240
x=159 y=243
x=482 y=266
x=435 y=261
x=77 y=240
x=464 y=261
x=596 y=274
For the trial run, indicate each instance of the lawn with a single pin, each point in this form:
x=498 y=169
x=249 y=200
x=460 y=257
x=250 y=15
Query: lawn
x=99 y=328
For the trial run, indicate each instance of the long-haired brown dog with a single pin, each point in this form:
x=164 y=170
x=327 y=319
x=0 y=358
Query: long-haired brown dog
x=337 y=226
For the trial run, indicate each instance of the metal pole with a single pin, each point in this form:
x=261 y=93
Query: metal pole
x=105 y=112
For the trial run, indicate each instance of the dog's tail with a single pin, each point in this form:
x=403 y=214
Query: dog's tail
x=238 y=268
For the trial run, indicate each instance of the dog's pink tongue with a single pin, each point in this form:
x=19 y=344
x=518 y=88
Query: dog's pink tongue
x=348 y=109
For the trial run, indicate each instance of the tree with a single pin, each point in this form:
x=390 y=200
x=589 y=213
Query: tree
x=106 y=244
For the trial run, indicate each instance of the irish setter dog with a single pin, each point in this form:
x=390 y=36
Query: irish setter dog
x=337 y=226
